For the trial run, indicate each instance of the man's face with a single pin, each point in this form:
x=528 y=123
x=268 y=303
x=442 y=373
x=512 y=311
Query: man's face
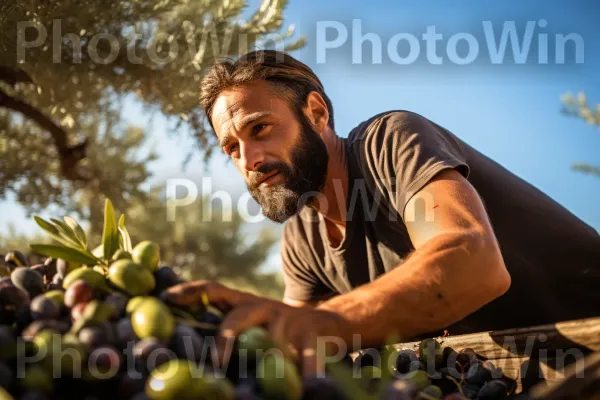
x=283 y=160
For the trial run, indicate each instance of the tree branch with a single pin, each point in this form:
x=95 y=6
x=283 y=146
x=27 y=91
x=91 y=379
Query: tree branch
x=12 y=76
x=69 y=156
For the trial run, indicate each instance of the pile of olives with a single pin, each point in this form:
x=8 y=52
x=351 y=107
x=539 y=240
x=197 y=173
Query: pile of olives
x=71 y=331
x=433 y=371
x=92 y=325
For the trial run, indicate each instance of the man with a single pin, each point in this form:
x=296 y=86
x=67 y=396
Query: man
x=400 y=228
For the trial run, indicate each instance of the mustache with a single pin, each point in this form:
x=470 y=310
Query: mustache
x=255 y=177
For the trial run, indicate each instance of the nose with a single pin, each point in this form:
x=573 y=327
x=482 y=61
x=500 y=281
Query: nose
x=251 y=156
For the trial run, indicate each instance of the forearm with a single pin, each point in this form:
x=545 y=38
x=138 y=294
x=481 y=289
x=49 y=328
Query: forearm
x=448 y=278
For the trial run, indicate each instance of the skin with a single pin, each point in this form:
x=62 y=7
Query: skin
x=456 y=267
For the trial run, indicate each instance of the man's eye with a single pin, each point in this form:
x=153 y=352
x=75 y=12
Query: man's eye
x=257 y=128
x=232 y=148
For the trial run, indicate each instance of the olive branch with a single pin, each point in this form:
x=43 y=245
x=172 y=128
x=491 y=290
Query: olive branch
x=73 y=244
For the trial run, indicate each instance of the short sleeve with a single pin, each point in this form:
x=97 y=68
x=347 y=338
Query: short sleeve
x=402 y=151
x=301 y=283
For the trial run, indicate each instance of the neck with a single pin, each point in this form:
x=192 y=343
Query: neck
x=331 y=202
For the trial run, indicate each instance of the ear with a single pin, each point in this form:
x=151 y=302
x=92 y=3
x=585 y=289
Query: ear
x=316 y=111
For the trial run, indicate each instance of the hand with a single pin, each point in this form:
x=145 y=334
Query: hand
x=298 y=328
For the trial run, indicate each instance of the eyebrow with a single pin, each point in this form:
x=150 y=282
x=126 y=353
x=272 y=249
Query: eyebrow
x=244 y=122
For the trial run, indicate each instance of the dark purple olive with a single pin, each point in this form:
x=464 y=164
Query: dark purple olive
x=28 y=280
x=119 y=300
x=481 y=372
x=165 y=278
x=465 y=359
x=493 y=390
x=97 y=336
x=15 y=259
x=40 y=269
x=8 y=342
x=78 y=292
x=106 y=360
x=150 y=353
x=209 y=318
x=406 y=361
x=471 y=391
x=187 y=343
x=245 y=391
x=449 y=356
x=22 y=319
x=6 y=376
x=124 y=332
x=42 y=307
x=140 y=396
x=129 y=385
x=322 y=388
x=12 y=300
x=34 y=395
x=367 y=358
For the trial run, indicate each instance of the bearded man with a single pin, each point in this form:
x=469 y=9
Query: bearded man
x=400 y=227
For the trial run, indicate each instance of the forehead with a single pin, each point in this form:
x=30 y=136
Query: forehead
x=233 y=105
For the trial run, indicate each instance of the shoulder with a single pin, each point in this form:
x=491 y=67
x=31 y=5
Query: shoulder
x=388 y=123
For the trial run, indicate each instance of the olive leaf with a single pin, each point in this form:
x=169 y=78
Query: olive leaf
x=79 y=232
x=110 y=235
x=65 y=253
x=54 y=232
x=66 y=231
x=125 y=238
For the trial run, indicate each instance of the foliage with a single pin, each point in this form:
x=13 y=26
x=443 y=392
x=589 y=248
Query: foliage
x=118 y=164
x=578 y=107
x=60 y=99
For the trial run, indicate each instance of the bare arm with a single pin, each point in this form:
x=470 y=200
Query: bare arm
x=297 y=303
x=456 y=268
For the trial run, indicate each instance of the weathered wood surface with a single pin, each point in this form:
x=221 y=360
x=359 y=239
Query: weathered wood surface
x=537 y=342
x=582 y=380
x=534 y=354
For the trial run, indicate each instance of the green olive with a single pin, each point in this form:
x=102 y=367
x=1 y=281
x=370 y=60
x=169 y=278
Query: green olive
x=176 y=380
x=131 y=278
x=88 y=275
x=152 y=318
x=279 y=378
x=146 y=253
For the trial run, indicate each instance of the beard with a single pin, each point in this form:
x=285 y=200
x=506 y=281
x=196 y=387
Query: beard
x=302 y=180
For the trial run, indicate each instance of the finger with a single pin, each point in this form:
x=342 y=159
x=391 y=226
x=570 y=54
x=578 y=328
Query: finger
x=196 y=292
x=237 y=321
x=280 y=331
x=311 y=364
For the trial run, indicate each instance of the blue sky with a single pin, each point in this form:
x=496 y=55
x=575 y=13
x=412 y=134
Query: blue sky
x=508 y=111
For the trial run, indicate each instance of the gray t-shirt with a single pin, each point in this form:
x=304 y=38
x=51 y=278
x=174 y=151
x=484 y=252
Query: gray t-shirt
x=552 y=256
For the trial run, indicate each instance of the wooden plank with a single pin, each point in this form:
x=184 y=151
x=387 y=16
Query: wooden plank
x=582 y=380
x=570 y=336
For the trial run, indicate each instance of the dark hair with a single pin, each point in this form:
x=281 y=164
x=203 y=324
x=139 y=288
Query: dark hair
x=290 y=79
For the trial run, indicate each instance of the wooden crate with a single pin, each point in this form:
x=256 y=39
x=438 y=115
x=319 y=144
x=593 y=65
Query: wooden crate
x=554 y=358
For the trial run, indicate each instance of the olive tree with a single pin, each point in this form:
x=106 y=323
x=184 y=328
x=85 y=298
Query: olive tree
x=65 y=66
x=579 y=107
